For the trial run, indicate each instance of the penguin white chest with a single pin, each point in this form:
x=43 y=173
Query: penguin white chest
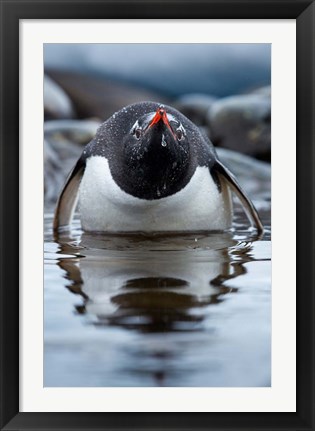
x=104 y=206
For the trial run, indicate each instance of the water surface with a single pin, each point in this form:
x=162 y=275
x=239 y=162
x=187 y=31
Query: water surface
x=167 y=310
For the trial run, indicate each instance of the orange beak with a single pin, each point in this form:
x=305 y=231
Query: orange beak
x=161 y=115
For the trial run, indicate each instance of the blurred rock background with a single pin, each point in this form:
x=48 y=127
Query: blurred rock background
x=223 y=88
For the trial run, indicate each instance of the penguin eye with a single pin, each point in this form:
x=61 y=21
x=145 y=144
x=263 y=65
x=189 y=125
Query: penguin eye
x=179 y=133
x=136 y=130
x=137 y=133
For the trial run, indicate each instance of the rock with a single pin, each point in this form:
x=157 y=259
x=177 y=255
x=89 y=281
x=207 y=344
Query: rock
x=195 y=107
x=242 y=123
x=53 y=174
x=56 y=102
x=62 y=147
x=265 y=91
x=98 y=97
x=253 y=175
x=78 y=131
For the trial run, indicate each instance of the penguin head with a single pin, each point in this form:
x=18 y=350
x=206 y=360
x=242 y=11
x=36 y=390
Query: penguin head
x=157 y=129
x=149 y=148
x=155 y=141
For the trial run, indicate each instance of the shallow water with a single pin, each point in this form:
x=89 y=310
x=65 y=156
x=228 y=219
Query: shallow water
x=170 y=310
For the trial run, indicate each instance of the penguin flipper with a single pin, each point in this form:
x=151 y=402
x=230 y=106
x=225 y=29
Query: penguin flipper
x=248 y=206
x=68 y=197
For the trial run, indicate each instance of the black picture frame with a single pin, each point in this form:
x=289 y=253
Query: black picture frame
x=14 y=10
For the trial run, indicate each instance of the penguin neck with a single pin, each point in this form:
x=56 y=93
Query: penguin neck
x=154 y=173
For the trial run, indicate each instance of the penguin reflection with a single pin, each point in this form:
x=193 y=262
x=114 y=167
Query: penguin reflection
x=151 y=284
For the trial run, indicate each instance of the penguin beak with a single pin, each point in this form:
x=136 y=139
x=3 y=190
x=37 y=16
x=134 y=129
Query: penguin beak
x=161 y=115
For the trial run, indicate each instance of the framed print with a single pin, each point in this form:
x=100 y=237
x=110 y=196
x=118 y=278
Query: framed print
x=153 y=287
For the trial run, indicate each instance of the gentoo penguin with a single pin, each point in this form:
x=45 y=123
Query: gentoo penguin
x=150 y=169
